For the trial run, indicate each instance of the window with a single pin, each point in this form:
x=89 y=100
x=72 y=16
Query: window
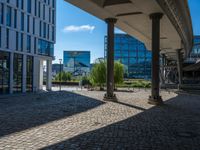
x=53 y=34
x=17 y=73
x=1 y=13
x=15 y=19
x=53 y=14
x=17 y=41
x=22 y=42
x=49 y=14
x=0 y=36
x=39 y=9
x=28 y=44
x=43 y=12
x=33 y=25
x=44 y=30
x=53 y=3
x=22 y=21
x=40 y=28
x=4 y=72
x=28 y=23
x=22 y=4
x=35 y=45
x=29 y=6
x=45 y=48
x=7 y=38
x=29 y=74
x=35 y=7
x=48 y=31
x=17 y=3
x=8 y=16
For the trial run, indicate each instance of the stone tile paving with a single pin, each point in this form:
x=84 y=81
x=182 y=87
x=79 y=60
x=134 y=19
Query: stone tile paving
x=81 y=120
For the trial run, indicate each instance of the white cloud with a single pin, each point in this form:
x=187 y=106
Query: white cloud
x=73 y=28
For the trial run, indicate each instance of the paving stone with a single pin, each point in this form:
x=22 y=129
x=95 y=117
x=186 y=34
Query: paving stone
x=82 y=121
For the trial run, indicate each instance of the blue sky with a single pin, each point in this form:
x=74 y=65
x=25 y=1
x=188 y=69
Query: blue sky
x=78 y=30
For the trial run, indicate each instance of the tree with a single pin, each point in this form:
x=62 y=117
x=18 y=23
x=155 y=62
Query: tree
x=65 y=76
x=98 y=74
x=118 y=72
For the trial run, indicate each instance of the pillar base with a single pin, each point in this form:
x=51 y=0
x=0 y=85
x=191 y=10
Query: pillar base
x=110 y=98
x=155 y=100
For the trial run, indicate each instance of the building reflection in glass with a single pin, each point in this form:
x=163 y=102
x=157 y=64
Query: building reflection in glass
x=77 y=62
x=4 y=72
x=133 y=54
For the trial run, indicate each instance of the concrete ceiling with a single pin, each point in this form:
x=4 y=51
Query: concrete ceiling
x=133 y=18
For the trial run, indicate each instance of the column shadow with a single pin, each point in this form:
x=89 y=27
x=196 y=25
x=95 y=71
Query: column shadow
x=172 y=126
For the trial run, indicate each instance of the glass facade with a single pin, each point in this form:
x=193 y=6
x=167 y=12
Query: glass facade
x=45 y=48
x=133 y=55
x=77 y=62
x=29 y=74
x=4 y=72
x=17 y=73
x=195 y=54
x=26 y=32
x=1 y=13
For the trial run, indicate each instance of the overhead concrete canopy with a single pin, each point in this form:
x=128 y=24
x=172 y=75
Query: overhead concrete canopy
x=133 y=18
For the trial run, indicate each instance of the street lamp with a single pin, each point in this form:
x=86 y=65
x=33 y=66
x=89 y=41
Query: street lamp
x=60 y=60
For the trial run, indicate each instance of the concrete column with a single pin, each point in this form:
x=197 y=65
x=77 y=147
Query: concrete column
x=110 y=96
x=41 y=74
x=155 y=97
x=179 y=66
x=24 y=74
x=163 y=70
x=49 y=75
x=11 y=73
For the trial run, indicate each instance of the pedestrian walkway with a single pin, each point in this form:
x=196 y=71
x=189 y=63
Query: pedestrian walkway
x=81 y=120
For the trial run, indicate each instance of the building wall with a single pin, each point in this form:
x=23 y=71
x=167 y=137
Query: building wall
x=27 y=30
x=133 y=54
x=76 y=62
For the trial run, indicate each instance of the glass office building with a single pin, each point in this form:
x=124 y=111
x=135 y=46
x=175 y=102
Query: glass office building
x=195 y=54
x=27 y=37
x=76 y=62
x=133 y=55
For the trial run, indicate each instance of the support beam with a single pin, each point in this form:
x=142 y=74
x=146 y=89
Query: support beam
x=110 y=96
x=179 y=67
x=155 y=98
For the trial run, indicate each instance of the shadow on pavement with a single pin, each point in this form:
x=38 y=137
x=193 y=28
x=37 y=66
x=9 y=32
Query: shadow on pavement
x=26 y=111
x=173 y=126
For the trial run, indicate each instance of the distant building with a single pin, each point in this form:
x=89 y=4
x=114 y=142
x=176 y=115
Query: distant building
x=56 y=68
x=195 y=54
x=77 y=62
x=133 y=54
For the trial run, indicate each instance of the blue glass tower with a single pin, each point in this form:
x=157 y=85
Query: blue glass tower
x=133 y=54
x=77 y=62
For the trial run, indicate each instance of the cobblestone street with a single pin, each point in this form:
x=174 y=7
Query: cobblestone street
x=81 y=120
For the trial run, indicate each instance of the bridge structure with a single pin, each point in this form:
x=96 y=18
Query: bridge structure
x=163 y=25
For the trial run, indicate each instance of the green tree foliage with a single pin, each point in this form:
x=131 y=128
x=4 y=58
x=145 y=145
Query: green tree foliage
x=65 y=76
x=98 y=74
x=118 y=72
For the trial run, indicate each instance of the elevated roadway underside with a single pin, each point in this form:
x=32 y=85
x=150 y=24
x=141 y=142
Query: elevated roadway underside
x=133 y=18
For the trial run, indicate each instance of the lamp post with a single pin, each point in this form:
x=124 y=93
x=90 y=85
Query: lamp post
x=60 y=60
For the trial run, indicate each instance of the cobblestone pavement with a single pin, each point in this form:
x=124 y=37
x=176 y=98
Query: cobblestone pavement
x=82 y=121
